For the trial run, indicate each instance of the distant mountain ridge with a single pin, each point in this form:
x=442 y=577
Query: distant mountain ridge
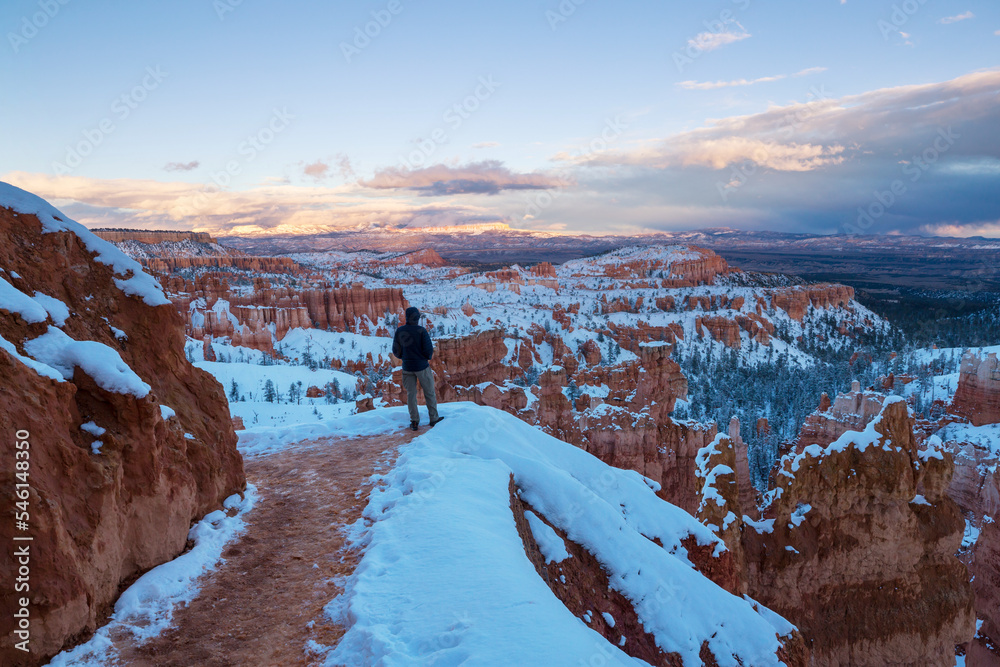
x=117 y=235
x=911 y=261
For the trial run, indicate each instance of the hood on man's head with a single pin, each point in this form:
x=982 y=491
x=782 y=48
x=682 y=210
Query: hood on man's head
x=412 y=315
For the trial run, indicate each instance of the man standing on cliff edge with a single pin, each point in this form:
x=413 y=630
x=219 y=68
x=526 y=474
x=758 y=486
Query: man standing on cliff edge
x=413 y=345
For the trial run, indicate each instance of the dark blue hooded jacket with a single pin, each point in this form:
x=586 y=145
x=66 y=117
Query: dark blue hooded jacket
x=412 y=343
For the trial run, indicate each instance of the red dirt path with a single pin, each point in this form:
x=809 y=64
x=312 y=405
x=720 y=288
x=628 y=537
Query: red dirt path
x=265 y=602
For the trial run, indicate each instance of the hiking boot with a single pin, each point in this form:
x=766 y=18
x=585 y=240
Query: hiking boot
x=414 y=425
x=436 y=422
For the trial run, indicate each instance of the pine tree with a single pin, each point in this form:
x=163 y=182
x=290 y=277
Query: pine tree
x=573 y=392
x=295 y=393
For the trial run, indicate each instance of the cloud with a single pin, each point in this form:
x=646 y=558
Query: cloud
x=718 y=150
x=271 y=209
x=803 y=167
x=988 y=229
x=317 y=169
x=709 y=41
x=821 y=133
x=344 y=167
x=712 y=85
x=956 y=18
x=807 y=166
x=486 y=177
x=182 y=166
x=486 y=144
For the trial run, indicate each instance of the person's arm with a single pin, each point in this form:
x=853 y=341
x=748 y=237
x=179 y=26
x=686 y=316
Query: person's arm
x=397 y=349
x=428 y=347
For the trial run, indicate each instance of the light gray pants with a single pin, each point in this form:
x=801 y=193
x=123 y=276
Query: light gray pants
x=426 y=380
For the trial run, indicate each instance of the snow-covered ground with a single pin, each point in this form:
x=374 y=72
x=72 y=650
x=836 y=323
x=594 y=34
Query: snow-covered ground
x=950 y=355
x=243 y=377
x=344 y=346
x=986 y=436
x=445 y=578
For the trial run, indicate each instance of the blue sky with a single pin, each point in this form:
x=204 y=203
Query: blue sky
x=599 y=117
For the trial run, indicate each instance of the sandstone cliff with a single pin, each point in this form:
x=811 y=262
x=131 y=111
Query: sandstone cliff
x=848 y=412
x=857 y=549
x=256 y=264
x=978 y=394
x=152 y=235
x=796 y=300
x=116 y=478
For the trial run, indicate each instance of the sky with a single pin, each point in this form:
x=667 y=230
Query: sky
x=262 y=117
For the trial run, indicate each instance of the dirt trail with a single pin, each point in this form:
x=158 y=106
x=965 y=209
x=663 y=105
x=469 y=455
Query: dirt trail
x=266 y=601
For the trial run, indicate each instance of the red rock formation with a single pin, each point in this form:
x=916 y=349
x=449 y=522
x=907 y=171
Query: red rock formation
x=630 y=338
x=864 y=570
x=849 y=412
x=460 y=364
x=652 y=384
x=560 y=315
x=747 y=492
x=426 y=257
x=510 y=399
x=709 y=302
x=98 y=520
x=543 y=270
x=796 y=300
x=700 y=271
x=978 y=394
x=665 y=302
x=268 y=314
x=471 y=360
x=759 y=328
x=721 y=329
x=664 y=452
x=975 y=486
x=341 y=309
x=152 y=236
x=553 y=412
x=591 y=352
x=622 y=304
x=505 y=277
x=985 y=568
x=255 y=264
x=720 y=508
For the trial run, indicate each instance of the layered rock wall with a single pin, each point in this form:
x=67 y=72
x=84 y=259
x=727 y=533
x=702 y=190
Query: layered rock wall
x=857 y=549
x=104 y=505
x=978 y=394
x=152 y=236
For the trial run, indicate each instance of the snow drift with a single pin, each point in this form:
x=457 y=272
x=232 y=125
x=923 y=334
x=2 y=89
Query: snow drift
x=445 y=577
